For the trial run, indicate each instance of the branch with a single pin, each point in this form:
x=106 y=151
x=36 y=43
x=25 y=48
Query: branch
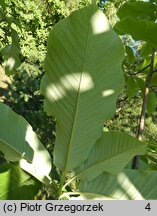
x=143 y=69
x=136 y=159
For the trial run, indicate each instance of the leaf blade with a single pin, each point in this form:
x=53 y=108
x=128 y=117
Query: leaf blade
x=127 y=185
x=137 y=9
x=16 y=184
x=11 y=54
x=19 y=142
x=139 y=29
x=110 y=154
x=73 y=85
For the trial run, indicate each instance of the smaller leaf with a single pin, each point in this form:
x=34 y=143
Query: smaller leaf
x=152 y=99
x=155 y=61
x=144 y=65
x=146 y=50
x=132 y=86
x=11 y=54
x=111 y=154
x=137 y=10
x=130 y=54
x=127 y=185
x=139 y=29
x=152 y=102
x=141 y=84
x=15 y=184
x=154 y=79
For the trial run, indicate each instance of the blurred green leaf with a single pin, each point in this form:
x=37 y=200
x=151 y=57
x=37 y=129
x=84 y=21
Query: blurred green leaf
x=132 y=86
x=152 y=99
x=2 y=3
x=11 y=54
x=130 y=54
x=144 y=66
x=137 y=10
x=154 y=79
x=141 y=84
x=146 y=50
x=155 y=61
x=16 y=184
x=139 y=29
x=152 y=102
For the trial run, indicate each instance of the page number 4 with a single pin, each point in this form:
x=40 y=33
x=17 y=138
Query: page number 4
x=148 y=208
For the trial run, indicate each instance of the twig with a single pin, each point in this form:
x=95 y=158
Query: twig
x=122 y=100
x=136 y=159
x=143 y=69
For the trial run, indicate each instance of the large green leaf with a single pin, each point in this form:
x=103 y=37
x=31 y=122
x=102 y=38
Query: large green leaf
x=127 y=185
x=15 y=184
x=111 y=153
x=139 y=29
x=137 y=10
x=18 y=142
x=82 y=80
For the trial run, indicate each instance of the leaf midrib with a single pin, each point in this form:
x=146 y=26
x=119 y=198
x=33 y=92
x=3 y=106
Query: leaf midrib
x=77 y=103
x=15 y=150
x=9 y=146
